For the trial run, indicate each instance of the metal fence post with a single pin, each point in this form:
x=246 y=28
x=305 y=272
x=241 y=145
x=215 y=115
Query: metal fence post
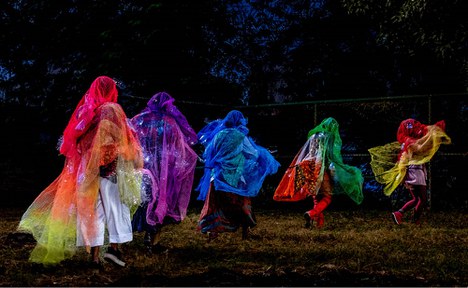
x=429 y=172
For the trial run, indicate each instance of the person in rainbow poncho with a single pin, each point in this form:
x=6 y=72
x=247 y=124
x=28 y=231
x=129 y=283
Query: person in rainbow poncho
x=99 y=185
x=403 y=161
x=315 y=168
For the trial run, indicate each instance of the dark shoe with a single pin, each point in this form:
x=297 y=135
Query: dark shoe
x=245 y=232
x=147 y=239
x=97 y=265
x=397 y=217
x=158 y=249
x=307 y=219
x=114 y=256
x=417 y=221
x=212 y=236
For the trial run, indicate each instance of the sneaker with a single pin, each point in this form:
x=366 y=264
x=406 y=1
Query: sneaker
x=397 y=217
x=114 y=256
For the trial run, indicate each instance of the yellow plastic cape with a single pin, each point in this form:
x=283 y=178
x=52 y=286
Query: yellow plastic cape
x=390 y=171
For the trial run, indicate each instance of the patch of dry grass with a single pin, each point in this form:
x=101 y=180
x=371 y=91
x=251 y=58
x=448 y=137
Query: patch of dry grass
x=353 y=249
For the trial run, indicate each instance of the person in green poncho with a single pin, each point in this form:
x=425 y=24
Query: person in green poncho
x=314 y=170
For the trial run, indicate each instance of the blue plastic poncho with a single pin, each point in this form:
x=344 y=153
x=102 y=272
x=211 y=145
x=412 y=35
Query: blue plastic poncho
x=233 y=161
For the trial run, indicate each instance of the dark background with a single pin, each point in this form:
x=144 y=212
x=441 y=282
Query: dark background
x=285 y=64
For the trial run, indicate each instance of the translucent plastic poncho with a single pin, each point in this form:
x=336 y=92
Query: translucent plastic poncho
x=417 y=143
x=233 y=161
x=321 y=151
x=166 y=139
x=93 y=142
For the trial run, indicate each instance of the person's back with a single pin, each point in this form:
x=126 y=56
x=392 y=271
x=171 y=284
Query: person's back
x=235 y=168
x=315 y=168
x=166 y=138
x=66 y=214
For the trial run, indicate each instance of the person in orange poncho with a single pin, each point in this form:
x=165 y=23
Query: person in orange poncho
x=99 y=185
x=404 y=161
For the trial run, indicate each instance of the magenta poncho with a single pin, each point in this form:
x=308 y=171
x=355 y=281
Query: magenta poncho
x=166 y=137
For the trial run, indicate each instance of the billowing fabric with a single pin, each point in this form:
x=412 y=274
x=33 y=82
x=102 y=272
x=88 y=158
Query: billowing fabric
x=166 y=137
x=52 y=217
x=417 y=143
x=232 y=160
x=321 y=151
x=102 y=90
x=225 y=212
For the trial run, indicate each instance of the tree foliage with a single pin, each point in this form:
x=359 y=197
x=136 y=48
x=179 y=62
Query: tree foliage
x=420 y=29
x=231 y=51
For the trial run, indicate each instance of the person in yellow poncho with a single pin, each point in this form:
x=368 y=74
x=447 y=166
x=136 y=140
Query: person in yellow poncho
x=403 y=161
x=99 y=185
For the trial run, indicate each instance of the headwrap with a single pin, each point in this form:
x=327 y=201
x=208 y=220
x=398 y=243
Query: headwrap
x=166 y=137
x=305 y=174
x=232 y=159
x=417 y=143
x=162 y=102
x=104 y=137
x=102 y=90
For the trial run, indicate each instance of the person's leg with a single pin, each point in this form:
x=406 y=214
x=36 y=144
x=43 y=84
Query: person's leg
x=412 y=202
x=156 y=237
x=319 y=206
x=248 y=216
x=95 y=254
x=398 y=215
x=420 y=192
x=117 y=218
x=98 y=237
x=307 y=217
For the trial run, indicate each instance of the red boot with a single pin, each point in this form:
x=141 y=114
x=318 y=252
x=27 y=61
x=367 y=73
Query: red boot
x=397 y=217
x=320 y=220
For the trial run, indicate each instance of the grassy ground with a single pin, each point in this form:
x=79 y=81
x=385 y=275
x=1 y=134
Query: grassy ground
x=353 y=249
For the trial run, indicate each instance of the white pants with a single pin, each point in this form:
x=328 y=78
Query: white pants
x=111 y=211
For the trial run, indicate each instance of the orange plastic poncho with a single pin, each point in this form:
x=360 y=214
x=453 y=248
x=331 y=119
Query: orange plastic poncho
x=52 y=217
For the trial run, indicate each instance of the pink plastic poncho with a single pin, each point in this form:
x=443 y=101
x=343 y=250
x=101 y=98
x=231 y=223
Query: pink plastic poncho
x=96 y=135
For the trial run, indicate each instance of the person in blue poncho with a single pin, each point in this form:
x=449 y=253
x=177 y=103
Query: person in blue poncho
x=235 y=168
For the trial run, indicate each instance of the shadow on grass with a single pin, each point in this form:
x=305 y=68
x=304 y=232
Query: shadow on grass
x=226 y=277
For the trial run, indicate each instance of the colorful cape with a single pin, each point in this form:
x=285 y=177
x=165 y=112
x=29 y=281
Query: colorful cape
x=417 y=143
x=166 y=137
x=321 y=151
x=52 y=217
x=232 y=159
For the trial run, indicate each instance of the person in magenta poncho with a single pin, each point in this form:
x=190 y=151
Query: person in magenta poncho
x=166 y=139
x=98 y=186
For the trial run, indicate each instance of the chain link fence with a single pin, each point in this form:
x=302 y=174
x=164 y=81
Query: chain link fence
x=30 y=160
x=364 y=123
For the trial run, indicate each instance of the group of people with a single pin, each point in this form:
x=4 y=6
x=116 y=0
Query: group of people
x=136 y=175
